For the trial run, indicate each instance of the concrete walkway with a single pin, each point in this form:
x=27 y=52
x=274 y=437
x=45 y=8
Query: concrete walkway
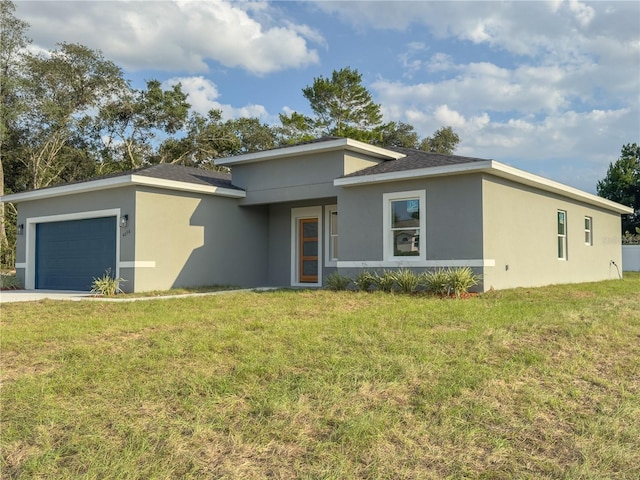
x=10 y=296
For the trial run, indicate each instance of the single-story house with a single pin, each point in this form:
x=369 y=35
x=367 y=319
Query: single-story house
x=292 y=215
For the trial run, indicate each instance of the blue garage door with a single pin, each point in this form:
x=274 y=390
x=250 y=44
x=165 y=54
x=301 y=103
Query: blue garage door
x=70 y=254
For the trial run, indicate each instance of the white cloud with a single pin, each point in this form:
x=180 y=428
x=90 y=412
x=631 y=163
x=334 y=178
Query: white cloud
x=203 y=96
x=561 y=29
x=177 y=35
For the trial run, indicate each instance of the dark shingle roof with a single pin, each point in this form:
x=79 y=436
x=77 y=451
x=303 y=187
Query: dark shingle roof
x=180 y=173
x=415 y=159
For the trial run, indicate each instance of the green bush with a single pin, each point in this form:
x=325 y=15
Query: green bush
x=337 y=282
x=406 y=280
x=8 y=281
x=436 y=281
x=385 y=281
x=461 y=280
x=107 y=285
x=365 y=281
x=451 y=280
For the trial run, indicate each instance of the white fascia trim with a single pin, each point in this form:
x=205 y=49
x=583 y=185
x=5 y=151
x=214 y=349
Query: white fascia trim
x=186 y=187
x=308 y=148
x=478 y=263
x=478 y=166
x=122 y=181
x=491 y=167
x=520 y=176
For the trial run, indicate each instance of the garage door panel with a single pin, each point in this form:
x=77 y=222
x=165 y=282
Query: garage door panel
x=70 y=254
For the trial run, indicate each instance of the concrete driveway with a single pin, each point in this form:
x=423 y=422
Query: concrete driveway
x=9 y=296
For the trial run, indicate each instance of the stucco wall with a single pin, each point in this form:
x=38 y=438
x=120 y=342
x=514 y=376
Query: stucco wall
x=83 y=204
x=520 y=233
x=280 y=239
x=453 y=218
x=289 y=179
x=191 y=240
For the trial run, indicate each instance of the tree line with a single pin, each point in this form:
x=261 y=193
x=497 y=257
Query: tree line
x=71 y=115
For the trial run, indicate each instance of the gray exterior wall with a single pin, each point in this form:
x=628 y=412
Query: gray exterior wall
x=296 y=178
x=453 y=218
x=77 y=204
x=280 y=239
x=198 y=240
x=520 y=234
x=289 y=179
x=172 y=238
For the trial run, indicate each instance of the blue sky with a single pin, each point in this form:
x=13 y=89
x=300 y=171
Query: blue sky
x=549 y=87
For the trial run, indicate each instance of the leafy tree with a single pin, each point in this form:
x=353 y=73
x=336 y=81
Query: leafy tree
x=13 y=41
x=132 y=121
x=444 y=140
x=622 y=184
x=295 y=128
x=396 y=134
x=253 y=136
x=204 y=139
x=63 y=90
x=343 y=107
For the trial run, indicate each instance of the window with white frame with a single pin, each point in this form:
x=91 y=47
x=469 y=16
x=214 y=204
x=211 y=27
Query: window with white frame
x=562 y=235
x=331 y=227
x=588 y=231
x=404 y=223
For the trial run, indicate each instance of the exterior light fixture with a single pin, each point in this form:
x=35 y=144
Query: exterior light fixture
x=20 y=229
x=123 y=221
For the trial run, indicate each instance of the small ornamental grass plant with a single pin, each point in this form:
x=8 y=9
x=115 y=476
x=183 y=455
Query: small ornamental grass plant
x=461 y=280
x=436 y=282
x=365 y=281
x=8 y=281
x=406 y=281
x=337 y=282
x=385 y=281
x=456 y=281
x=106 y=285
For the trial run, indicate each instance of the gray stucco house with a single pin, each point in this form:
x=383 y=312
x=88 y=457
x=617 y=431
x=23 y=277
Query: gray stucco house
x=290 y=216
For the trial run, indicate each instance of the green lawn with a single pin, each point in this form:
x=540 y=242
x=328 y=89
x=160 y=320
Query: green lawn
x=526 y=383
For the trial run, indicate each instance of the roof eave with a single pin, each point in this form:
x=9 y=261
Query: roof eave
x=491 y=167
x=118 y=182
x=460 y=168
x=310 y=148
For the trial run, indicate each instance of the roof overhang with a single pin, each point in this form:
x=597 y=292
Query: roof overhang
x=490 y=167
x=122 y=181
x=311 y=148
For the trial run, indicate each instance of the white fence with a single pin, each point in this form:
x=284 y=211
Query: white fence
x=631 y=258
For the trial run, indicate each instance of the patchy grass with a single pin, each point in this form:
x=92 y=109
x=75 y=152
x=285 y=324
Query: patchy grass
x=178 y=291
x=526 y=383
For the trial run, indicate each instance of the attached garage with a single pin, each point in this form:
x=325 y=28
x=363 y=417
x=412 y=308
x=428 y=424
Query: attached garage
x=70 y=254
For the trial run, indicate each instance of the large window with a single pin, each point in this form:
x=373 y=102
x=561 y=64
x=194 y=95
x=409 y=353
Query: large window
x=562 y=235
x=404 y=223
x=588 y=232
